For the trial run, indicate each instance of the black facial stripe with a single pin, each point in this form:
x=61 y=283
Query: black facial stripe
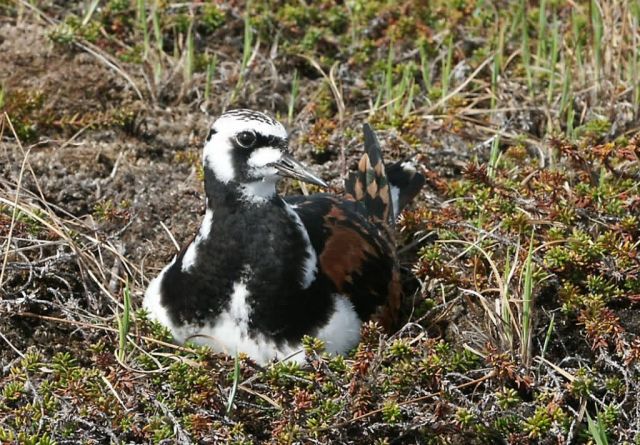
x=211 y=133
x=261 y=141
x=240 y=154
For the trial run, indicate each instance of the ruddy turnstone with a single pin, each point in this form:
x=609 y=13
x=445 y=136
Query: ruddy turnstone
x=265 y=270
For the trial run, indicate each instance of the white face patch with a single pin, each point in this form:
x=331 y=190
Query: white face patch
x=260 y=159
x=218 y=158
x=217 y=154
x=310 y=265
x=259 y=163
x=264 y=156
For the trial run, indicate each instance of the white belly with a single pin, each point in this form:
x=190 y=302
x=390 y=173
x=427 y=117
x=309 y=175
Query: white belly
x=228 y=333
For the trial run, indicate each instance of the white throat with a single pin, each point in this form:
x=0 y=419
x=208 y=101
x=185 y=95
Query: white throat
x=259 y=192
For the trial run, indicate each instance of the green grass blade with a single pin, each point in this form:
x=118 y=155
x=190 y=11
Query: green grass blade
x=124 y=323
x=142 y=25
x=89 y=12
x=525 y=49
x=234 y=386
x=494 y=155
x=425 y=70
x=555 y=46
x=189 y=57
x=211 y=70
x=388 y=76
x=598 y=31
x=527 y=306
x=157 y=30
x=542 y=31
x=597 y=430
x=446 y=67
x=547 y=337
x=292 y=97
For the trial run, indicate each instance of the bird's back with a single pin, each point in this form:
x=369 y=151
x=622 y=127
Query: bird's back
x=354 y=237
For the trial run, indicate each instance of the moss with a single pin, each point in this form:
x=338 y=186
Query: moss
x=212 y=17
x=507 y=398
x=391 y=412
x=108 y=211
x=320 y=134
x=537 y=425
x=21 y=106
x=594 y=130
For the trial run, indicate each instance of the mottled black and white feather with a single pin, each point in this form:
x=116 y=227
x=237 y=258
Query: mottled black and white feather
x=264 y=270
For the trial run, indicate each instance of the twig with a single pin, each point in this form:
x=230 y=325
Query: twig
x=113 y=391
x=16 y=350
x=267 y=399
x=558 y=369
x=171 y=237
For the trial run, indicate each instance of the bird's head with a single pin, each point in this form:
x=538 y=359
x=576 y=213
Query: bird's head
x=249 y=150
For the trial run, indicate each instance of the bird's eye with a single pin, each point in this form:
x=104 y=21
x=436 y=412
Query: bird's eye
x=246 y=139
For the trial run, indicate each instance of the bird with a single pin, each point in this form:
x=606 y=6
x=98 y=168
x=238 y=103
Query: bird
x=264 y=270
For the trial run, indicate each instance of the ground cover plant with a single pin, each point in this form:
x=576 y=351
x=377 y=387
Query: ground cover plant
x=521 y=255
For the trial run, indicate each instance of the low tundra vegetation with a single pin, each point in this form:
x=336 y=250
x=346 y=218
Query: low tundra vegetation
x=521 y=255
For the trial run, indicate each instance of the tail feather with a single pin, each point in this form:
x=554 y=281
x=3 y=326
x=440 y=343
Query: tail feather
x=405 y=182
x=384 y=191
x=369 y=183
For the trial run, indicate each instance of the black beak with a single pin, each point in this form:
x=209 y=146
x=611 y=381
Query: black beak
x=290 y=168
